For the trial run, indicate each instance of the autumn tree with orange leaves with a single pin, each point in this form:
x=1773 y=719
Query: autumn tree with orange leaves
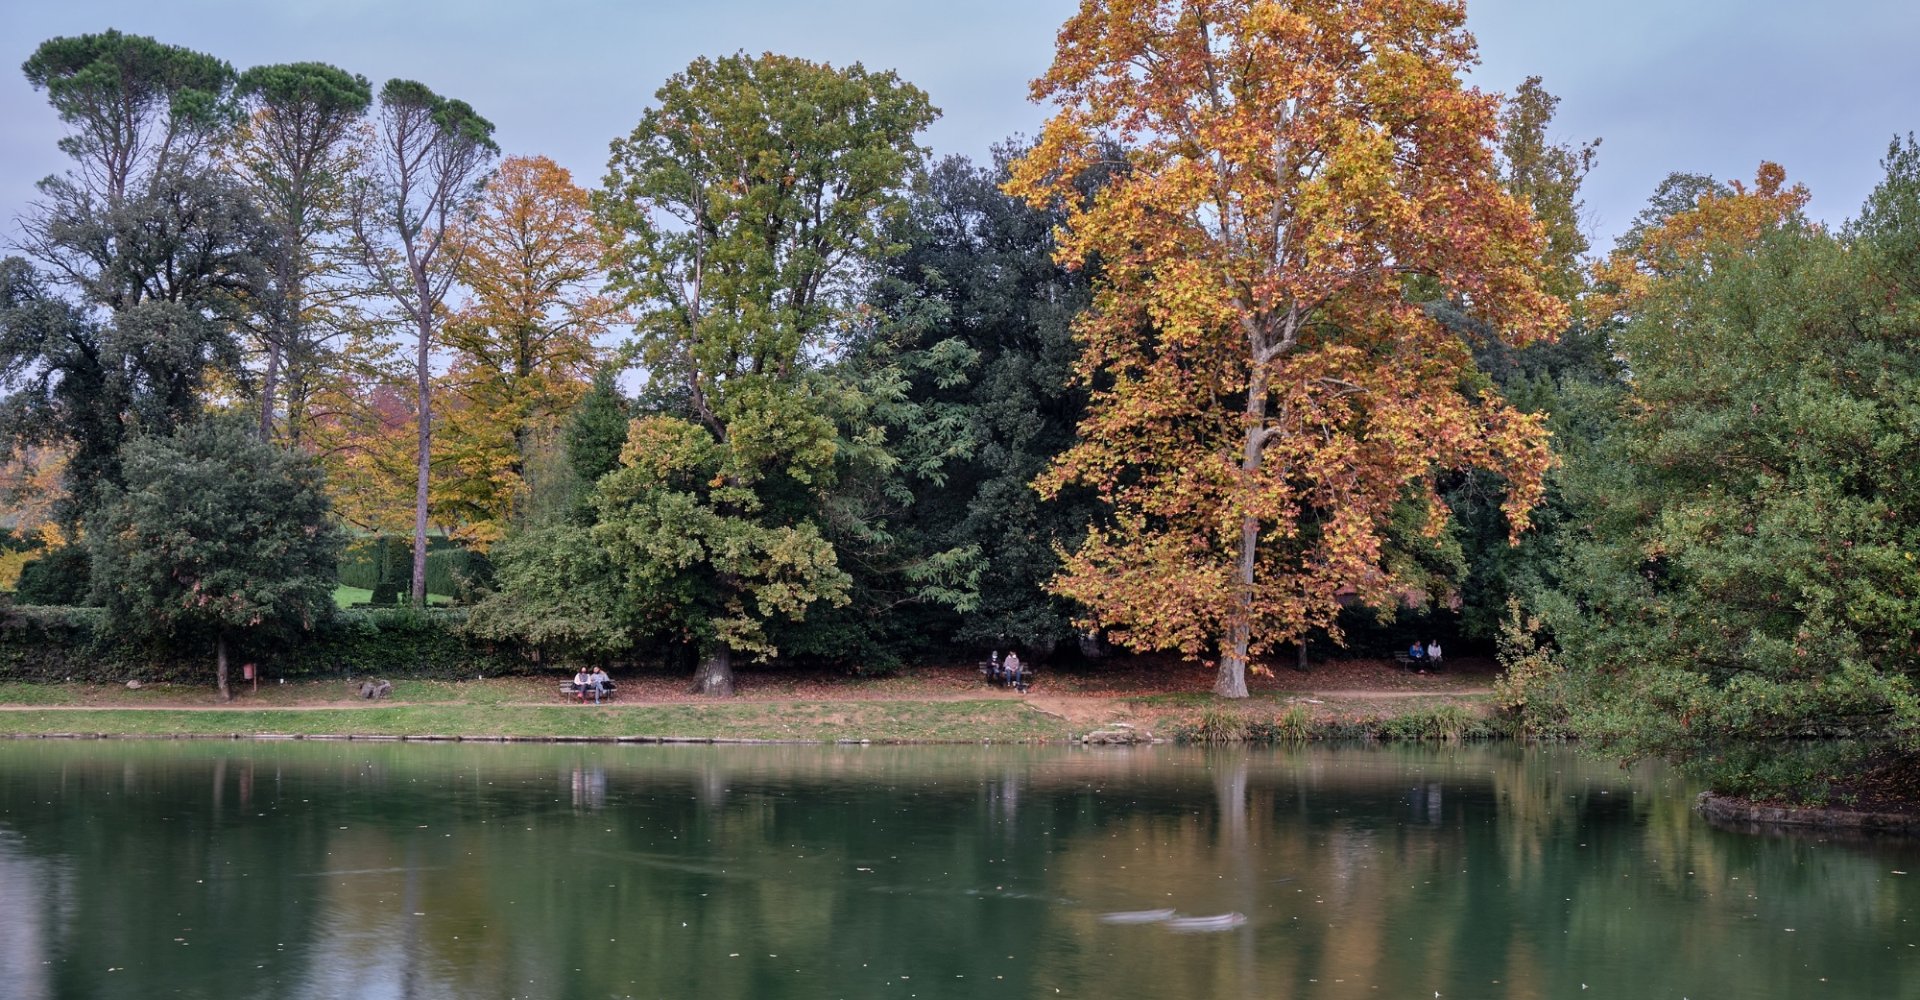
x=1268 y=386
x=523 y=345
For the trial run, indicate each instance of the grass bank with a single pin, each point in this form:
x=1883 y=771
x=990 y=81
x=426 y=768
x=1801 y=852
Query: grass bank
x=934 y=704
x=891 y=721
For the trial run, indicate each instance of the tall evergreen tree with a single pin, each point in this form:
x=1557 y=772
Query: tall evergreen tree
x=165 y=255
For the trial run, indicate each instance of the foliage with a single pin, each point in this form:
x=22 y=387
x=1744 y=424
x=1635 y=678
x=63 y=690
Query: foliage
x=595 y=432
x=1546 y=176
x=560 y=592
x=216 y=534
x=165 y=255
x=747 y=204
x=134 y=108
x=1533 y=685
x=297 y=150
x=1745 y=575
x=523 y=345
x=48 y=644
x=976 y=334
x=1266 y=392
x=61 y=577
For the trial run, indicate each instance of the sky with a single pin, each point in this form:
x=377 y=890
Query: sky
x=1703 y=86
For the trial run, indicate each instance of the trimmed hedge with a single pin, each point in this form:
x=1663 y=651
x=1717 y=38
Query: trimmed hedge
x=376 y=561
x=51 y=644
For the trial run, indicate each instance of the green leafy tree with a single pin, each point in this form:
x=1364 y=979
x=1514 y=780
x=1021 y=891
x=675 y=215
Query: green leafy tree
x=135 y=109
x=596 y=430
x=1746 y=573
x=976 y=327
x=749 y=204
x=216 y=537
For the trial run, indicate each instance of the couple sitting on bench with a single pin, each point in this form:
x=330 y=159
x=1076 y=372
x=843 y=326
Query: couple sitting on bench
x=1009 y=672
x=593 y=682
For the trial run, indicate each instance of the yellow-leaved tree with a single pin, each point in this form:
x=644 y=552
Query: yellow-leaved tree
x=1301 y=176
x=523 y=344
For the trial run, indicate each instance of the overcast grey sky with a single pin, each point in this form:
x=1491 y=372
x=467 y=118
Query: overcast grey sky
x=1709 y=86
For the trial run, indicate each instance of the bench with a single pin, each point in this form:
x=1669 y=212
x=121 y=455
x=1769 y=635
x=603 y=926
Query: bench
x=1019 y=682
x=576 y=692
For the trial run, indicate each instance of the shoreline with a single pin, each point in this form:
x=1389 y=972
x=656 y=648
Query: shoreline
x=1747 y=816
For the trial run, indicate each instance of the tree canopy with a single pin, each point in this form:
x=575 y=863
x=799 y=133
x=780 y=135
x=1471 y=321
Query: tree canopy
x=1267 y=392
x=215 y=537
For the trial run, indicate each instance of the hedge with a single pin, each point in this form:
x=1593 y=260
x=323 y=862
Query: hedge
x=48 y=644
x=373 y=560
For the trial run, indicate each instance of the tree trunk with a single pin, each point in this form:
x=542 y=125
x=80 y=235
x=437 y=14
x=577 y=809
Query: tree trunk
x=1232 y=679
x=268 y=385
x=425 y=410
x=1302 y=664
x=220 y=669
x=715 y=676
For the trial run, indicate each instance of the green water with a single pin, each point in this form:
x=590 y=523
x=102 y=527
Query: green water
x=229 y=870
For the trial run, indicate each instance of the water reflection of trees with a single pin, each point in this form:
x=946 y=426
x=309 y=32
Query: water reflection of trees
x=430 y=871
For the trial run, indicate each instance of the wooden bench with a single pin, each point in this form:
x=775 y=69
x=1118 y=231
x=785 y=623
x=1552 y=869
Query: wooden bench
x=1019 y=682
x=569 y=689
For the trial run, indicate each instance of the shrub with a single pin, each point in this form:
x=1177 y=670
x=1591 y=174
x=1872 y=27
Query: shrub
x=1531 y=690
x=60 y=578
x=57 y=644
x=1439 y=722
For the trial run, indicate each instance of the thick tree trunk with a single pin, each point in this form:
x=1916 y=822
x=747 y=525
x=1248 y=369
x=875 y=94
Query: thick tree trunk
x=220 y=668
x=1231 y=681
x=715 y=676
x=425 y=410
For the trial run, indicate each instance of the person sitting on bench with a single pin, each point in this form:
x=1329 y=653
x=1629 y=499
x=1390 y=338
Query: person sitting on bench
x=1416 y=652
x=582 y=682
x=1010 y=670
x=600 y=683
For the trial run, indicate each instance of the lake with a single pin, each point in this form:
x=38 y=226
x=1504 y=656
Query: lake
x=242 y=869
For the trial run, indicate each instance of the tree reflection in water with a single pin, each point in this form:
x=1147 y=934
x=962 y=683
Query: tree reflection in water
x=318 y=870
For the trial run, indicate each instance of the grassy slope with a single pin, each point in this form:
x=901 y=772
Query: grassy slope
x=945 y=721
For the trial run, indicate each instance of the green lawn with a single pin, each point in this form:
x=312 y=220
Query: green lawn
x=811 y=722
x=347 y=597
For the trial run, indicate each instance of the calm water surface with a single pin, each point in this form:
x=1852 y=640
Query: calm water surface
x=379 y=870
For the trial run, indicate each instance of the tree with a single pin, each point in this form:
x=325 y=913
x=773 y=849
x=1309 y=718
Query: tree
x=430 y=152
x=1546 y=176
x=1268 y=389
x=596 y=431
x=135 y=108
x=523 y=345
x=1702 y=217
x=1743 y=575
x=164 y=254
x=748 y=205
x=974 y=318
x=296 y=152
x=216 y=536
